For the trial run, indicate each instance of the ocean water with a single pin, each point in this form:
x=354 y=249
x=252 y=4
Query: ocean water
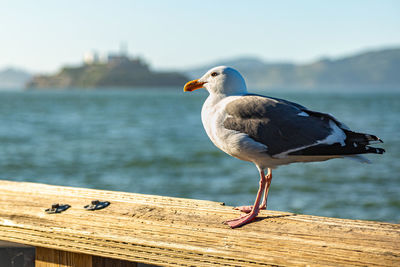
x=153 y=142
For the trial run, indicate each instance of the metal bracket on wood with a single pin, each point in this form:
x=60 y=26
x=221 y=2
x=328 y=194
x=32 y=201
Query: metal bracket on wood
x=57 y=208
x=97 y=205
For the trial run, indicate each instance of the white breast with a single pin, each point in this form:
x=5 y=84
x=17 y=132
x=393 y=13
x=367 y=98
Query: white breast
x=231 y=142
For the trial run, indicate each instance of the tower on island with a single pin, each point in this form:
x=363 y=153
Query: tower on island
x=93 y=57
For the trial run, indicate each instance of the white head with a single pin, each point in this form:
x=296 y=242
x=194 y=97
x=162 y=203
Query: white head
x=219 y=80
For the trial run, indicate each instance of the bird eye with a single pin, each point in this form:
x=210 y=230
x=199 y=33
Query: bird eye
x=214 y=74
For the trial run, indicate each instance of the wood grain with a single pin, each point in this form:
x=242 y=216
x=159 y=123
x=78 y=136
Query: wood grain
x=46 y=257
x=173 y=231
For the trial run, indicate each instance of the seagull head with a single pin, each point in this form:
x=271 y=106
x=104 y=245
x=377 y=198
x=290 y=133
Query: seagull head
x=219 y=80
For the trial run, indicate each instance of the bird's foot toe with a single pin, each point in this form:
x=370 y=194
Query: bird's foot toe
x=241 y=221
x=246 y=209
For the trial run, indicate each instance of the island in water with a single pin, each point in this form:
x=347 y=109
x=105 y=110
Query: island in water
x=118 y=70
x=376 y=69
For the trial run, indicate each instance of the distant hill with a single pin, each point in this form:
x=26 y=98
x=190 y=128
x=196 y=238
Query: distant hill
x=120 y=72
x=373 y=68
x=11 y=78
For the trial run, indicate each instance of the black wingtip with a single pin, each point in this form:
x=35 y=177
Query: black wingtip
x=371 y=137
x=375 y=150
x=362 y=138
x=338 y=149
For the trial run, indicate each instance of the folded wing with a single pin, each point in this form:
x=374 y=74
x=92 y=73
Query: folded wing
x=288 y=128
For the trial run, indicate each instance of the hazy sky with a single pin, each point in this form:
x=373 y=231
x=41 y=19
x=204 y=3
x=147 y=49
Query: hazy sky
x=44 y=35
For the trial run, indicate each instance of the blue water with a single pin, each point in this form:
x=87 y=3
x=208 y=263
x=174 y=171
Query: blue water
x=152 y=142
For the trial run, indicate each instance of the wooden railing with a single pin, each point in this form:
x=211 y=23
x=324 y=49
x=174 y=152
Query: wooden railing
x=174 y=231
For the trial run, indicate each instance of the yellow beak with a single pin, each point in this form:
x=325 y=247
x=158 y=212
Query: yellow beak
x=193 y=85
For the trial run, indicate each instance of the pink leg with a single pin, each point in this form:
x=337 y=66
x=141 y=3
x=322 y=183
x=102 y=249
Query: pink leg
x=263 y=206
x=252 y=215
x=269 y=180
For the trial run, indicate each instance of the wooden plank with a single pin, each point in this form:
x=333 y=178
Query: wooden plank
x=47 y=257
x=173 y=231
x=107 y=262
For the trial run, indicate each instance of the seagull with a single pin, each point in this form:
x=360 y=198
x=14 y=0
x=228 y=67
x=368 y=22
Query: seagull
x=270 y=131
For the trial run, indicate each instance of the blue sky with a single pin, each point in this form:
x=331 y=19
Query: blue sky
x=44 y=35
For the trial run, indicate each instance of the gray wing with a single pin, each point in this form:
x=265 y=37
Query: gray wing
x=285 y=126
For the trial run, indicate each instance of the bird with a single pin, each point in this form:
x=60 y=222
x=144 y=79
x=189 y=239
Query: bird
x=271 y=132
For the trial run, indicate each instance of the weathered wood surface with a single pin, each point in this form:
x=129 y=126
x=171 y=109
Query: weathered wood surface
x=172 y=231
x=47 y=257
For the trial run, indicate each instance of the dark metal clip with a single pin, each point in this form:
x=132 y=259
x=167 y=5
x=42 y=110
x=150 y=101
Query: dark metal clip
x=97 y=205
x=57 y=208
